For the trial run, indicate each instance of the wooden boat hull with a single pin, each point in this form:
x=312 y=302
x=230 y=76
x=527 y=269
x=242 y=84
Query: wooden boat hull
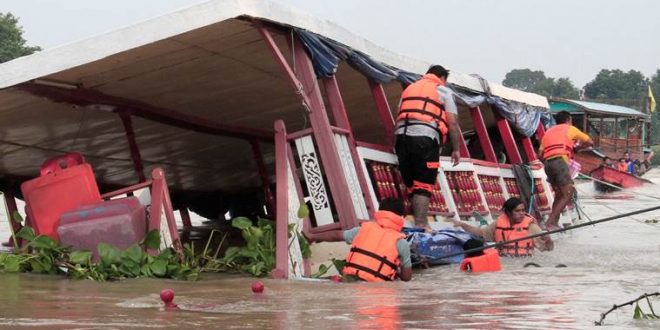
x=615 y=177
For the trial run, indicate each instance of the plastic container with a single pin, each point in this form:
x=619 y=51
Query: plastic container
x=66 y=183
x=120 y=223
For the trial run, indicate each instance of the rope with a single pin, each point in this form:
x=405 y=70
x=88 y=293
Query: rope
x=499 y=244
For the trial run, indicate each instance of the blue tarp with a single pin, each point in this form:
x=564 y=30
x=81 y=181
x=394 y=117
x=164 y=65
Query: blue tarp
x=523 y=117
x=432 y=247
x=326 y=55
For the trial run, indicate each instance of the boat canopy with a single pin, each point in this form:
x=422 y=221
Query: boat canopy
x=601 y=109
x=199 y=91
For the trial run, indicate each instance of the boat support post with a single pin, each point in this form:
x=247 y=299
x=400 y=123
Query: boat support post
x=482 y=134
x=305 y=84
x=383 y=108
x=509 y=142
x=263 y=173
x=11 y=208
x=336 y=104
x=132 y=143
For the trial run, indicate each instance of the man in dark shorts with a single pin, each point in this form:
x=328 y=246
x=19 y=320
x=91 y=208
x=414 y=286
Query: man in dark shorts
x=426 y=117
x=557 y=147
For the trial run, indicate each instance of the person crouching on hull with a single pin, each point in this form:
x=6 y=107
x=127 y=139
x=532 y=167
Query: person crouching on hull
x=512 y=224
x=379 y=251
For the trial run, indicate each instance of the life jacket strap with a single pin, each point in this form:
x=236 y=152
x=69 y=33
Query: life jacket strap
x=425 y=99
x=370 y=254
x=424 y=112
x=367 y=270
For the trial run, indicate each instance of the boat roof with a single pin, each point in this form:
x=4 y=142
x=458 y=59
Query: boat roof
x=612 y=110
x=202 y=88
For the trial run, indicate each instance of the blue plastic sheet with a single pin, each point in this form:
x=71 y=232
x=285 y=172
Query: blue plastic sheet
x=524 y=118
x=326 y=55
x=432 y=247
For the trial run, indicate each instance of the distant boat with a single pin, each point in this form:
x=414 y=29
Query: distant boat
x=614 y=129
x=616 y=178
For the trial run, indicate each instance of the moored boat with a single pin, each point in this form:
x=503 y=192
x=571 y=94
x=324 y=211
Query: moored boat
x=612 y=178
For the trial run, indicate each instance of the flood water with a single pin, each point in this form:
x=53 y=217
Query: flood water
x=608 y=264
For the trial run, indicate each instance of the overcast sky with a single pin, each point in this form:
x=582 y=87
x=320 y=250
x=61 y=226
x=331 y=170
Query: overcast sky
x=564 y=38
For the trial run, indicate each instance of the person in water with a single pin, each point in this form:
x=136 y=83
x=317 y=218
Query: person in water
x=379 y=251
x=513 y=223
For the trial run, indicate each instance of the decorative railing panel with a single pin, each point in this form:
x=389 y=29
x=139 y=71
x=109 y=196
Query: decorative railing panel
x=311 y=169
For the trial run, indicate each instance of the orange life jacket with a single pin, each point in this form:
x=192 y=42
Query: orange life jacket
x=556 y=142
x=373 y=256
x=488 y=262
x=623 y=167
x=420 y=101
x=505 y=232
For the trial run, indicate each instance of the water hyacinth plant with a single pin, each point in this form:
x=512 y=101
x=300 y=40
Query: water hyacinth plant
x=44 y=255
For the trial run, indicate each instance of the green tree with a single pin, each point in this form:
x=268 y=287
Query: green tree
x=536 y=82
x=12 y=44
x=618 y=87
x=523 y=79
x=563 y=87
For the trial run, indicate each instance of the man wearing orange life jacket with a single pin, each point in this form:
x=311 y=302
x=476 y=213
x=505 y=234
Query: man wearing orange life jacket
x=426 y=116
x=557 y=147
x=379 y=251
x=512 y=224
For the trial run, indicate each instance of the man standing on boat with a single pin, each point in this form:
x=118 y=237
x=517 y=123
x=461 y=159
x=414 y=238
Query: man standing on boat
x=427 y=115
x=557 y=148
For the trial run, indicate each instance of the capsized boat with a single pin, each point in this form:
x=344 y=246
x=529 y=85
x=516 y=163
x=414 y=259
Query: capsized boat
x=251 y=107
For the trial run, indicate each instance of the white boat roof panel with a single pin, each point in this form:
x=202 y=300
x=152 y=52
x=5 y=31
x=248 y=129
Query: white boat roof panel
x=202 y=65
x=79 y=53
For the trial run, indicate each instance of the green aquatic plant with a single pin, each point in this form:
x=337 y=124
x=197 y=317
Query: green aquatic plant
x=43 y=254
x=323 y=269
x=638 y=314
x=257 y=256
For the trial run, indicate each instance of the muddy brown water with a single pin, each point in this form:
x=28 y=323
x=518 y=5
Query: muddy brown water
x=610 y=263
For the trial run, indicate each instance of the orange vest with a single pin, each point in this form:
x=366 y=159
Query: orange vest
x=556 y=142
x=488 y=262
x=420 y=101
x=623 y=167
x=506 y=232
x=373 y=256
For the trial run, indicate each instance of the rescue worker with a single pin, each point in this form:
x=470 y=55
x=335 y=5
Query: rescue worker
x=379 y=251
x=426 y=117
x=557 y=147
x=513 y=223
